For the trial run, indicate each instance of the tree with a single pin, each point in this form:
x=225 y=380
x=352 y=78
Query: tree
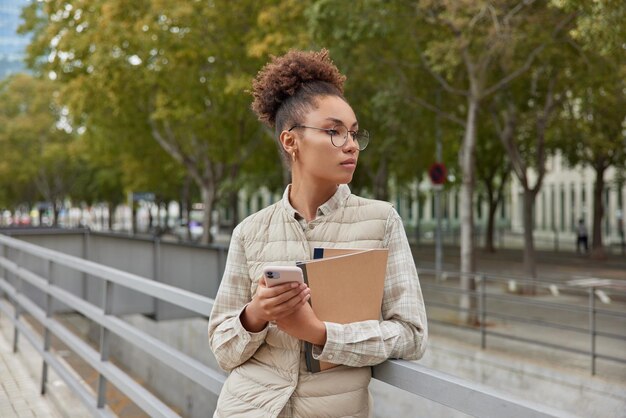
x=371 y=50
x=594 y=109
x=492 y=171
x=468 y=42
x=176 y=78
x=594 y=113
x=38 y=150
x=525 y=118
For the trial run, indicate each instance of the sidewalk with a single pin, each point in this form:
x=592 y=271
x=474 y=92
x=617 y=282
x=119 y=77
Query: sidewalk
x=19 y=392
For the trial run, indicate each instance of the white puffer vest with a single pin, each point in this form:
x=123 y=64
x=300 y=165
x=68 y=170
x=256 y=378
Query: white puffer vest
x=275 y=382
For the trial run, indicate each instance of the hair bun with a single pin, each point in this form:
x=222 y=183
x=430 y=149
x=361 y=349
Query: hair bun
x=283 y=76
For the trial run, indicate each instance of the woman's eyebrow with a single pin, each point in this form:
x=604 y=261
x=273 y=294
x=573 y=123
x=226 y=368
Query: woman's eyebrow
x=339 y=121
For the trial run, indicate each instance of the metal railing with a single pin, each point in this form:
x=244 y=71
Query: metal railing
x=487 y=294
x=462 y=395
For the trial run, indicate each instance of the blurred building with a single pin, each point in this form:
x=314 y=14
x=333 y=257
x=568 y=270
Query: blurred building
x=12 y=45
x=565 y=197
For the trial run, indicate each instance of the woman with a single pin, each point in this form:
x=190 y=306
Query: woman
x=257 y=332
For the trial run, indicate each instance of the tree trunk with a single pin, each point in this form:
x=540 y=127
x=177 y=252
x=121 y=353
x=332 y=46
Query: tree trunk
x=491 y=220
x=185 y=207
x=234 y=207
x=55 y=213
x=208 y=200
x=597 y=249
x=150 y=217
x=158 y=219
x=530 y=265
x=111 y=210
x=134 y=217
x=166 y=226
x=467 y=301
x=381 y=190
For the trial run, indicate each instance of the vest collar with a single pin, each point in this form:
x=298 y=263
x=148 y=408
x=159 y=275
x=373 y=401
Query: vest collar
x=335 y=202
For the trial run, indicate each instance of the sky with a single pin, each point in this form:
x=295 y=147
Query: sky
x=12 y=45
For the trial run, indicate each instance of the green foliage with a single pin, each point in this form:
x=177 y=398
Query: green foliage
x=38 y=153
x=155 y=91
x=594 y=108
x=155 y=72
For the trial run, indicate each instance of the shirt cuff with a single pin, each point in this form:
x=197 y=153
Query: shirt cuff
x=249 y=337
x=334 y=344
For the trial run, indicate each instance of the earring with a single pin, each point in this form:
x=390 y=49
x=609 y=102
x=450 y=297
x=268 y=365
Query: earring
x=293 y=156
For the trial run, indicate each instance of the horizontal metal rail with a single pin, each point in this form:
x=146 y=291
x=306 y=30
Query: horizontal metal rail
x=537 y=322
x=539 y=343
x=456 y=308
x=537 y=282
x=404 y=375
x=70 y=380
x=477 y=400
x=516 y=299
x=483 y=296
x=611 y=335
x=138 y=394
x=183 y=298
x=193 y=369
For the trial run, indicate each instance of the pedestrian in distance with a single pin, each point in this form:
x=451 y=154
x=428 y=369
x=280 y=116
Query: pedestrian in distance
x=256 y=332
x=581 y=237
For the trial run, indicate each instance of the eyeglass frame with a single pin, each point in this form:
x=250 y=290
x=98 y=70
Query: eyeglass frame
x=345 y=138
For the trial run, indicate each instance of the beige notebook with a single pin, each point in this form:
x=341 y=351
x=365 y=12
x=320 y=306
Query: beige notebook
x=346 y=286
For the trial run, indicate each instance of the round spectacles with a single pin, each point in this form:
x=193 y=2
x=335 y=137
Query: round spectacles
x=339 y=135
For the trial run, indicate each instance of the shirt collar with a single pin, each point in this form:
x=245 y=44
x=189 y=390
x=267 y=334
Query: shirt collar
x=332 y=204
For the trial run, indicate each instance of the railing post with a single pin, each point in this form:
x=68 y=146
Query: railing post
x=49 y=272
x=107 y=302
x=16 y=306
x=156 y=270
x=85 y=256
x=4 y=270
x=592 y=327
x=483 y=311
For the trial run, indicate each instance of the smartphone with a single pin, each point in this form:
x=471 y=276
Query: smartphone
x=282 y=274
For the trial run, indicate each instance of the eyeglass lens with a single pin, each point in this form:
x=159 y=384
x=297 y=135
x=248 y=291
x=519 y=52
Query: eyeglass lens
x=340 y=137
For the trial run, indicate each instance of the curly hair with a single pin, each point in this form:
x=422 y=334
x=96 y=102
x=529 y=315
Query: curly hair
x=288 y=85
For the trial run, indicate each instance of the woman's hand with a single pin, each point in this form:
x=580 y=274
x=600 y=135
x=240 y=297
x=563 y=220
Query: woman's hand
x=273 y=303
x=304 y=325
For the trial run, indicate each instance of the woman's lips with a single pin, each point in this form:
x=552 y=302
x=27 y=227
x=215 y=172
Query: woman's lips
x=351 y=163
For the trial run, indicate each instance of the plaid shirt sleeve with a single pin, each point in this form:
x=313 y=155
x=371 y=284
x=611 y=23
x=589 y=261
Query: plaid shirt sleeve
x=231 y=343
x=403 y=331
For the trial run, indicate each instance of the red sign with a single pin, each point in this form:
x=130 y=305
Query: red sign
x=437 y=173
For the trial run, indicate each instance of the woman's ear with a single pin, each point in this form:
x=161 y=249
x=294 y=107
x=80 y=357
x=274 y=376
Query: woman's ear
x=288 y=142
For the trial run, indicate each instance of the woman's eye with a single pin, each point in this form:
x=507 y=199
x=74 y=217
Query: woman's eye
x=332 y=132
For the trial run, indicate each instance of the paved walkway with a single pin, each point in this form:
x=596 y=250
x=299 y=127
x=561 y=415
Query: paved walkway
x=19 y=392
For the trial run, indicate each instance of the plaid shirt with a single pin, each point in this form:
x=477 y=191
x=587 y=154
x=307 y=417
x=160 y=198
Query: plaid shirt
x=401 y=334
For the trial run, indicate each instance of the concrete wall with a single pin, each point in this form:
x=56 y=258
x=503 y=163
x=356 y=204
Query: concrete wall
x=187 y=266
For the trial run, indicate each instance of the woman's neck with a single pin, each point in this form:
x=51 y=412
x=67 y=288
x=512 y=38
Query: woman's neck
x=307 y=196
